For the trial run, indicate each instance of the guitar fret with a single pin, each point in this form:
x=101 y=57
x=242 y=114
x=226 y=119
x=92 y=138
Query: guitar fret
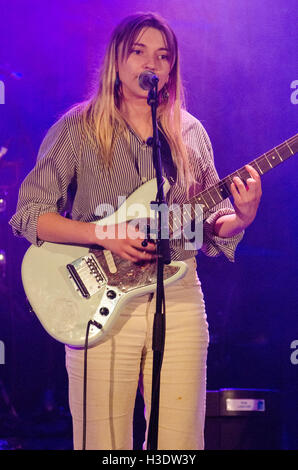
x=285 y=151
x=210 y=194
x=198 y=216
x=271 y=155
x=278 y=154
x=286 y=142
x=209 y=201
x=260 y=170
x=243 y=174
x=218 y=193
x=263 y=164
x=216 y=196
x=267 y=159
x=199 y=201
x=204 y=202
x=225 y=191
x=229 y=178
x=254 y=165
x=188 y=215
x=294 y=144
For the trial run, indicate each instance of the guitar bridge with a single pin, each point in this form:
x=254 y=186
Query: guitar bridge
x=87 y=275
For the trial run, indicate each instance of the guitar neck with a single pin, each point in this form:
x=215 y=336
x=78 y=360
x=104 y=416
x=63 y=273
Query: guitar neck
x=217 y=193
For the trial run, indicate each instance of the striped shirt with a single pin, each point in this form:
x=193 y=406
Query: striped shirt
x=69 y=176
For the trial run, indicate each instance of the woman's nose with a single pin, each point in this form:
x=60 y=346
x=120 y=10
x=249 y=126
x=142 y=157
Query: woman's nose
x=151 y=62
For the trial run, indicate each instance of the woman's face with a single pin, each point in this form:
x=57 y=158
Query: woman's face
x=149 y=52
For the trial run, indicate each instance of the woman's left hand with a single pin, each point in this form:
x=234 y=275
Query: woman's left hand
x=246 y=197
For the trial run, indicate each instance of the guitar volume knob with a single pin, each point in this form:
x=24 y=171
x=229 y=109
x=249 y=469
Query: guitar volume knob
x=111 y=294
x=104 y=311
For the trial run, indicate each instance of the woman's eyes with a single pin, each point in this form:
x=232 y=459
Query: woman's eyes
x=164 y=57
x=136 y=51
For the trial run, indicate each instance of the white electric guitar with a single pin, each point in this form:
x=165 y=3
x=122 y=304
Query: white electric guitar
x=69 y=285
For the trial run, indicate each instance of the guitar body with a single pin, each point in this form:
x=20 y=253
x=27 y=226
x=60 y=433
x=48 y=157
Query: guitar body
x=69 y=285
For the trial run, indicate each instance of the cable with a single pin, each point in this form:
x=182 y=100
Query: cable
x=99 y=326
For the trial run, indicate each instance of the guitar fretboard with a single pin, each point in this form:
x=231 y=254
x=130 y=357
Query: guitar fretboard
x=212 y=196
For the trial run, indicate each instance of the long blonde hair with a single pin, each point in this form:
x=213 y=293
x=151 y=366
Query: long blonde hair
x=101 y=116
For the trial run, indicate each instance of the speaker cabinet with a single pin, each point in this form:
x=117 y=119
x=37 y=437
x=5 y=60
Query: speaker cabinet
x=242 y=419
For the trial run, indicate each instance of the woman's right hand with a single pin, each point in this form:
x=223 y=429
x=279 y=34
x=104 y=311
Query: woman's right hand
x=125 y=240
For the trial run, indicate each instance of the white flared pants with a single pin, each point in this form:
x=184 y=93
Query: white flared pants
x=115 y=365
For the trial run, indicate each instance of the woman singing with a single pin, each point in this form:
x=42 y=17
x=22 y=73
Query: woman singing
x=95 y=153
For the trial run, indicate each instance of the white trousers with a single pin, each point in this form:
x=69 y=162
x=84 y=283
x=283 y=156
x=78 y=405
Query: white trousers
x=115 y=365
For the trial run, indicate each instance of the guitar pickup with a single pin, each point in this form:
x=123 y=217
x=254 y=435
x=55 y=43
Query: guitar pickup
x=86 y=275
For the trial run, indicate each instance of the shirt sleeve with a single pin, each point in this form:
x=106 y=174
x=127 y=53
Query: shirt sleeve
x=45 y=189
x=205 y=172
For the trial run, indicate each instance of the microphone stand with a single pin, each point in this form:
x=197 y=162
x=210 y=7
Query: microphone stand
x=163 y=251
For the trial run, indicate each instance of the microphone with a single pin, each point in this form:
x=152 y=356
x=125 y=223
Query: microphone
x=148 y=80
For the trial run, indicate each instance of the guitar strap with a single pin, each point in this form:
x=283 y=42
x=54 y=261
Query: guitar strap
x=167 y=159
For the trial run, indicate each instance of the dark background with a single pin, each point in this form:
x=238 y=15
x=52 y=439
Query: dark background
x=239 y=59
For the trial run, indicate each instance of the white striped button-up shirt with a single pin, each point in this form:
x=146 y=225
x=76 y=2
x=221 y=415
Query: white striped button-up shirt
x=70 y=175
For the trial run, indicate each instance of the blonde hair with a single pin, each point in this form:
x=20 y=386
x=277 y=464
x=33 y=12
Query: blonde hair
x=101 y=117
